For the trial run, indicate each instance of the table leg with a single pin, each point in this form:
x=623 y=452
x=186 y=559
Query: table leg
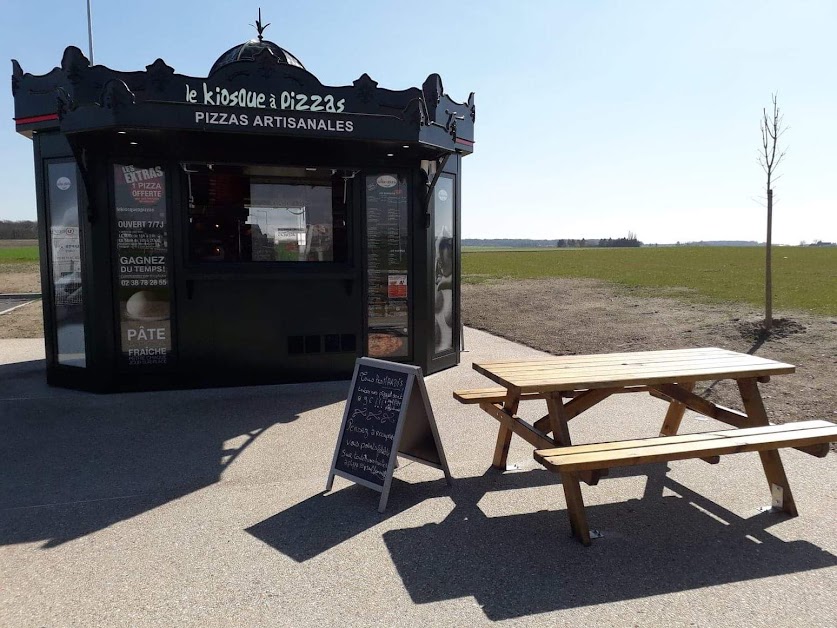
x=558 y=420
x=675 y=413
x=774 y=470
x=575 y=507
x=504 y=434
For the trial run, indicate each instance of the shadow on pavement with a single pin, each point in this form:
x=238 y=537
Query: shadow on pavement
x=74 y=463
x=520 y=565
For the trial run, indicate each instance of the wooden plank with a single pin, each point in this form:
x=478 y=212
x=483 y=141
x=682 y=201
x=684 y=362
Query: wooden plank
x=559 y=426
x=492 y=395
x=818 y=451
x=688 y=438
x=649 y=357
x=633 y=360
x=575 y=507
x=587 y=400
x=604 y=357
x=774 y=470
x=665 y=452
x=639 y=370
x=558 y=420
x=700 y=405
x=543 y=424
x=504 y=432
x=521 y=428
x=610 y=381
x=675 y=412
x=725 y=362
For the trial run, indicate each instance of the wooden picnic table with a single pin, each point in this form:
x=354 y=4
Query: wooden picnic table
x=573 y=384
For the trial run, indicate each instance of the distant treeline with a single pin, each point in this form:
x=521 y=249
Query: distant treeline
x=630 y=241
x=722 y=243
x=18 y=230
x=564 y=243
x=508 y=243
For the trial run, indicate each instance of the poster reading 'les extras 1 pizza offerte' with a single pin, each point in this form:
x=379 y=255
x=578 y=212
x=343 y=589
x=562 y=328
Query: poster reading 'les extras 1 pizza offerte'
x=143 y=269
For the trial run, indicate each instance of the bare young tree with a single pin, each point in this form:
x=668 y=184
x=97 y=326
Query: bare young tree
x=770 y=156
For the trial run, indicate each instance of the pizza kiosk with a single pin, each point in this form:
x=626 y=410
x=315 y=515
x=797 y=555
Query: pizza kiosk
x=250 y=226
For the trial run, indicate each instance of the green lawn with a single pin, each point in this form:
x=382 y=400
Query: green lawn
x=804 y=278
x=18 y=254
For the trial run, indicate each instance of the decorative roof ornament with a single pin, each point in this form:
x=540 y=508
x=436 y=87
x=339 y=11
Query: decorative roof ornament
x=258 y=25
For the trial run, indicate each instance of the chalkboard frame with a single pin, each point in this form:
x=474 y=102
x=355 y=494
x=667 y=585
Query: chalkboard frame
x=415 y=379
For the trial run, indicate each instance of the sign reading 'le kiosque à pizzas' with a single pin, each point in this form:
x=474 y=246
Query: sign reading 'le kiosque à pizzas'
x=288 y=101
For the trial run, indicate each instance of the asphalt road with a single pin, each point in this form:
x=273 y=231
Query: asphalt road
x=206 y=508
x=8 y=303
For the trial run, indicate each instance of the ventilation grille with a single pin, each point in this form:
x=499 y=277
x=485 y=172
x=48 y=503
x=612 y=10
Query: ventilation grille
x=328 y=343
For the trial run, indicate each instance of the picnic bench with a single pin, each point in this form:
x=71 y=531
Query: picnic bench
x=571 y=385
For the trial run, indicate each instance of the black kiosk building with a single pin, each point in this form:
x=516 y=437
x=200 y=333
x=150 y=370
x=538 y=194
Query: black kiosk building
x=253 y=226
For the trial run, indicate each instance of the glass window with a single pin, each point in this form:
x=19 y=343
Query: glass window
x=267 y=214
x=65 y=250
x=387 y=266
x=442 y=210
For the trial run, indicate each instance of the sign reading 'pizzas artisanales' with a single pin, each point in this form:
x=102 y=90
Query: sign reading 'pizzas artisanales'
x=268 y=121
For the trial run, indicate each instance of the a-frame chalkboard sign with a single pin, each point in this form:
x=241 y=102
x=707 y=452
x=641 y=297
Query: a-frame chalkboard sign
x=388 y=414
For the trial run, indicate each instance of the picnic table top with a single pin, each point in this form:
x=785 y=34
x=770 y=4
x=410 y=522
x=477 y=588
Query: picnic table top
x=639 y=368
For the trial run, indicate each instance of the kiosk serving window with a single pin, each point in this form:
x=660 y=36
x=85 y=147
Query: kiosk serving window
x=266 y=214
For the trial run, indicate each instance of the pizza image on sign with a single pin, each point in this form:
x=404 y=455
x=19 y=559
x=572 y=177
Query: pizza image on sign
x=397 y=287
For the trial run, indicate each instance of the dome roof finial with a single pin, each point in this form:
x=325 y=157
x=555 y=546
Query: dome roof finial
x=250 y=49
x=258 y=25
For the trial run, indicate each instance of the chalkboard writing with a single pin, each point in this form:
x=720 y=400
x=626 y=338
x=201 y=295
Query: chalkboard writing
x=387 y=414
x=369 y=432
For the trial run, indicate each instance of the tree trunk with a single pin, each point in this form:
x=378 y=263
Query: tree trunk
x=768 y=270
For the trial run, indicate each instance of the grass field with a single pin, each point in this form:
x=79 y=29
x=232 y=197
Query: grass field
x=804 y=278
x=18 y=254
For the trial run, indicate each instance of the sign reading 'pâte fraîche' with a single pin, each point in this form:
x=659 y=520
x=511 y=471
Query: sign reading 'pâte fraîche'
x=288 y=101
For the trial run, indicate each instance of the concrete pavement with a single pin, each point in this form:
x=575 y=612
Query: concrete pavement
x=206 y=508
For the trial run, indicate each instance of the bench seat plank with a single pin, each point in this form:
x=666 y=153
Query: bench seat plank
x=681 y=447
x=498 y=394
x=680 y=438
x=491 y=395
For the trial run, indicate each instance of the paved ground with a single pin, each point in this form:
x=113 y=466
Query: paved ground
x=205 y=508
x=9 y=303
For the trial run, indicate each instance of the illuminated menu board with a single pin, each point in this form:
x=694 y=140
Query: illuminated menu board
x=387 y=264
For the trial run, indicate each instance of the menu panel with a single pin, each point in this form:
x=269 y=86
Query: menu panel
x=143 y=265
x=387 y=264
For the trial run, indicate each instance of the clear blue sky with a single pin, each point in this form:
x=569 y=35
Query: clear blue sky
x=593 y=118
